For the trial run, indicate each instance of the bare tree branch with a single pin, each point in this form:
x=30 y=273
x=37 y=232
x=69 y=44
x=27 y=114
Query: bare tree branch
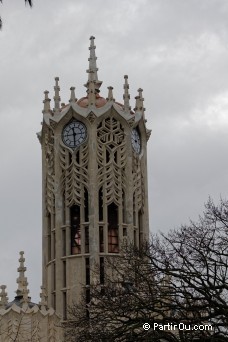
x=26 y=1
x=177 y=278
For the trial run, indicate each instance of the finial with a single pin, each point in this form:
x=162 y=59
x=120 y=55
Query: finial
x=126 y=95
x=91 y=94
x=22 y=289
x=137 y=103
x=92 y=71
x=110 y=94
x=72 y=95
x=43 y=297
x=141 y=99
x=3 y=296
x=46 y=102
x=57 y=97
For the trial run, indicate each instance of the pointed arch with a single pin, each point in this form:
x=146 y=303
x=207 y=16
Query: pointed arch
x=113 y=231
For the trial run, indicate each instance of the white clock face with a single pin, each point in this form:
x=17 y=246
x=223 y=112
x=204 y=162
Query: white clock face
x=135 y=140
x=74 y=134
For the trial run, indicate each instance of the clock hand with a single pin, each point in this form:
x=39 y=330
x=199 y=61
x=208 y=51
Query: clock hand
x=74 y=135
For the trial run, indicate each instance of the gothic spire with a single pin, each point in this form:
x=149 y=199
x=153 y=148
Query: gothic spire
x=92 y=71
x=43 y=297
x=141 y=100
x=126 y=95
x=57 y=97
x=91 y=93
x=72 y=95
x=110 y=94
x=22 y=289
x=46 y=103
x=3 y=296
x=137 y=104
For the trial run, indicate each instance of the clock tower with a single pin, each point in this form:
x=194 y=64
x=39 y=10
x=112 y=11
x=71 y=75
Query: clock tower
x=94 y=171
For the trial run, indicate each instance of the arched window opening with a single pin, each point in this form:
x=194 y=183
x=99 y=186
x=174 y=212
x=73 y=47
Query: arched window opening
x=134 y=211
x=135 y=238
x=64 y=274
x=64 y=242
x=54 y=242
x=101 y=239
x=63 y=209
x=101 y=204
x=113 y=239
x=64 y=305
x=75 y=230
x=86 y=205
x=86 y=239
x=49 y=235
x=54 y=300
x=140 y=227
x=53 y=277
x=123 y=207
x=87 y=271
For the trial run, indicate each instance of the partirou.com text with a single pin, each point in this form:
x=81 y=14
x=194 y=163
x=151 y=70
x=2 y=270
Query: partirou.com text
x=180 y=326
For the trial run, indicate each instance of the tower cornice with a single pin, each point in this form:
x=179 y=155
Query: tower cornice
x=49 y=119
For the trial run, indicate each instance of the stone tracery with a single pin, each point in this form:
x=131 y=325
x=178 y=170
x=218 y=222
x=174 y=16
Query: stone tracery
x=50 y=179
x=111 y=157
x=138 y=183
x=74 y=177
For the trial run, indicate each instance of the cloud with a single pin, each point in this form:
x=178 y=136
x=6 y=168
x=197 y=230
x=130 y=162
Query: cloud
x=175 y=50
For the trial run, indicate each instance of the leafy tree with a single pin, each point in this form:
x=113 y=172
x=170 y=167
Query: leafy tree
x=178 y=278
x=26 y=1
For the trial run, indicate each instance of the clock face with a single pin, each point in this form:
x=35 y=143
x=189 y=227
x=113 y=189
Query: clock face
x=74 y=134
x=135 y=140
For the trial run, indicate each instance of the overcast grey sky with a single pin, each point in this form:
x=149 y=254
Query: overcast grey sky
x=176 y=50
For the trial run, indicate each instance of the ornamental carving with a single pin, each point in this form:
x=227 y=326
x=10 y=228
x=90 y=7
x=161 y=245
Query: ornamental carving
x=53 y=123
x=148 y=133
x=111 y=157
x=131 y=121
x=74 y=178
x=91 y=117
x=50 y=179
x=138 y=183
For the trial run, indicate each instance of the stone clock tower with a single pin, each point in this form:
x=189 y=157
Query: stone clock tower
x=94 y=168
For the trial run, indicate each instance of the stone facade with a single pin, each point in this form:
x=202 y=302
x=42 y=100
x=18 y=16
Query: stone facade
x=94 y=169
x=24 y=321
